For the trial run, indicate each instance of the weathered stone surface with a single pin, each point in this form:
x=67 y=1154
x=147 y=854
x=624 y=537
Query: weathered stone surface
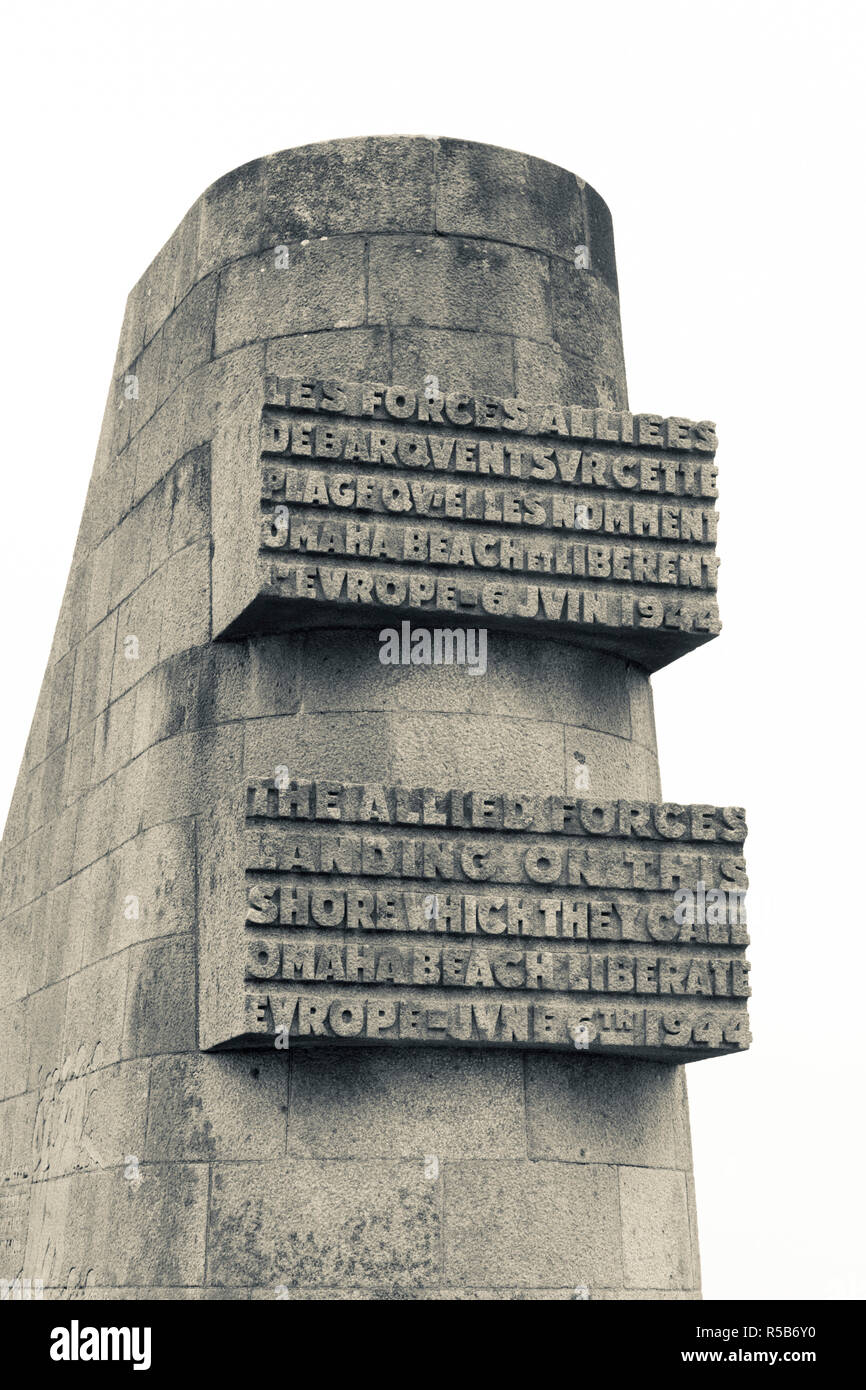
x=88 y=1116
x=181 y=507
x=600 y=238
x=139 y=624
x=455 y=283
x=141 y=891
x=617 y=1111
x=584 y=317
x=18 y=1118
x=550 y=371
x=115 y=1231
x=93 y=669
x=185 y=620
x=313 y=1223
x=200 y=1112
x=381 y=184
x=456 y=360
x=95 y=1009
x=43 y=1043
x=494 y=1215
x=230 y=217
x=321 y=285
x=188 y=339
x=158 y=1017
x=547 y=682
x=364 y=738
x=134 y=1165
x=59 y=706
x=355 y=1103
x=694 y=1244
x=138 y=393
x=13 y=1062
x=501 y=195
x=189 y=417
x=186 y=774
x=655 y=1227
x=366 y=351
x=106 y=816
x=55 y=936
x=375 y=744
x=200 y=688
x=606 y=761
x=15 y=960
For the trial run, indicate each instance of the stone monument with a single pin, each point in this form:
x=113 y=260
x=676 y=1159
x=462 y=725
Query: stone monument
x=349 y=949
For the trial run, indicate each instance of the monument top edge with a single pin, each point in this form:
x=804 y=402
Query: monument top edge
x=378 y=185
x=355 y=144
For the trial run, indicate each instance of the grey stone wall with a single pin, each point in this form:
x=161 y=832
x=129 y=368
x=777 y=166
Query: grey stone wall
x=131 y=1163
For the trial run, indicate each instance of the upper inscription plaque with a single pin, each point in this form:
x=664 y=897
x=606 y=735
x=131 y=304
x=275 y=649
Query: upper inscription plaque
x=335 y=499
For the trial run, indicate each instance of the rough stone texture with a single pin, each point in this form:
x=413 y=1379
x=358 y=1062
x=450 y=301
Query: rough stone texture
x=574 y=1204
x=132 y=1165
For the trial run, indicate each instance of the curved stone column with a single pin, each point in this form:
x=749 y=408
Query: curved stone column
x=134 y=1163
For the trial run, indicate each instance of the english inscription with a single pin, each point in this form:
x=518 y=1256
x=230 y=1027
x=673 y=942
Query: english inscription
x=392 y=914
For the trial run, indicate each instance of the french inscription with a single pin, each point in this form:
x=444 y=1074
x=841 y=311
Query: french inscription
x=503 y=512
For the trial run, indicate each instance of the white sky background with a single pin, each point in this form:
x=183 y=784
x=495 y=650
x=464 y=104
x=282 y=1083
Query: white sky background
x=726 y=140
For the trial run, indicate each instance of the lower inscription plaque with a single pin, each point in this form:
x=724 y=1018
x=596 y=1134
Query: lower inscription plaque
x=373 y=914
